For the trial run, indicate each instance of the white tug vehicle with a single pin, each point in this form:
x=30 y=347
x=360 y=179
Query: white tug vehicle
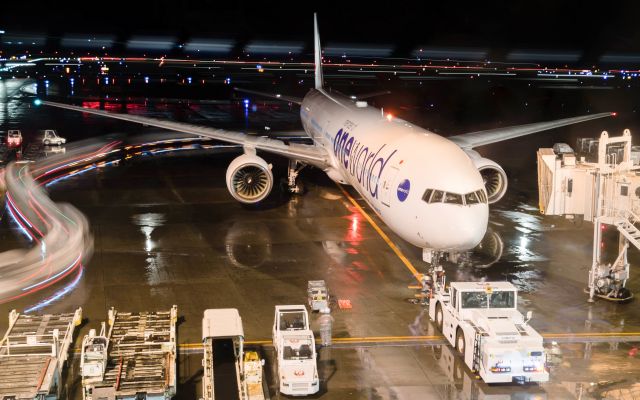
x=296 y=350
x=481 y=320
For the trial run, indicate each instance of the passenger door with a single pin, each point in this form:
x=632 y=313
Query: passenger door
x=388 y=184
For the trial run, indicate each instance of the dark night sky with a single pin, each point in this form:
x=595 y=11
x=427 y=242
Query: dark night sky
x=532 y=24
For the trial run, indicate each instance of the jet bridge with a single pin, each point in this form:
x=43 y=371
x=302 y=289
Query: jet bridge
x=33 y=353
x=599 y=182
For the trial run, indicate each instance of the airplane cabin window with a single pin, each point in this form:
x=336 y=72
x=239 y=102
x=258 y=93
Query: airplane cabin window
x=427 y=195
x=453 y=198
x=437 y=196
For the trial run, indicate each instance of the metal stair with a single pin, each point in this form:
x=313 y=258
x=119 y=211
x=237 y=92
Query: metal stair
x=477 y=357
x=628 y=228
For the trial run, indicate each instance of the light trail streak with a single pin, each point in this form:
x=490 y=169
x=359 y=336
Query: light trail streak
x=55 y=276
x=58 y=295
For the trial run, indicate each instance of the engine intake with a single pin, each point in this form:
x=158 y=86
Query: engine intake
x=495 y=181
x=249 y=179
x=494 y=178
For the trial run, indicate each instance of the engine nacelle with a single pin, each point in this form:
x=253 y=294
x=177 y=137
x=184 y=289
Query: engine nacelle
x=249 y=179
x=494 y=178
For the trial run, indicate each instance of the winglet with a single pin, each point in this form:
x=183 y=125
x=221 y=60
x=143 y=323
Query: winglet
x=317 y=52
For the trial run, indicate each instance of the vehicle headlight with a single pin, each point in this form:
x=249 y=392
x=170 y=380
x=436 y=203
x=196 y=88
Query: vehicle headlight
x=533 y=368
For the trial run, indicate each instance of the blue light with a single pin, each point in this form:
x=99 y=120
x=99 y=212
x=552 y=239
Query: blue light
x=246 y=103
x=258 y=66
x=189 y=80
x=37 y=102
x=227 y=81
x=146 y=79
x=15 y=219
x=46 y=83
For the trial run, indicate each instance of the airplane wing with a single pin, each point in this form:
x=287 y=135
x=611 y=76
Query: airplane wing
x=310 y=154
x=481 y=138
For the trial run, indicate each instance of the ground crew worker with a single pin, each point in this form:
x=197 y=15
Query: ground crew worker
x=326 y=324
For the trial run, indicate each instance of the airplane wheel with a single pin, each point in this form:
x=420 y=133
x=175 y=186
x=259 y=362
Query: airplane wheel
x=439 y=317
x=460 y=343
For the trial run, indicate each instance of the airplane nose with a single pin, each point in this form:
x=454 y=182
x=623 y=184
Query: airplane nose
x=458 y=230
x=470 y=232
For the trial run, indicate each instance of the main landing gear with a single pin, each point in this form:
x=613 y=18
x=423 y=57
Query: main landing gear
x=292 y=175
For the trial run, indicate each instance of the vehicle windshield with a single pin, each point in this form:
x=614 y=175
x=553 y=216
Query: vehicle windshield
x=298 y=347
x=497 y=299
x=292 y=320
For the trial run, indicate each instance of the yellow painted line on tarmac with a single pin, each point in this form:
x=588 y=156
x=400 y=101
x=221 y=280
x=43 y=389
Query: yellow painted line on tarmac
x=387 y=339
x=384 y=236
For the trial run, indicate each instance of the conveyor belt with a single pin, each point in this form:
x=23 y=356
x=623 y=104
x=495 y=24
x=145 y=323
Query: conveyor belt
x=224 y=370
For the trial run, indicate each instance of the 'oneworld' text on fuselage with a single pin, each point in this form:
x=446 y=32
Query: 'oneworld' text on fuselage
x=364 y=164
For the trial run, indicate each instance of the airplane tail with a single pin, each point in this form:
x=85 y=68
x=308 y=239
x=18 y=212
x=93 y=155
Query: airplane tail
x=318 y=52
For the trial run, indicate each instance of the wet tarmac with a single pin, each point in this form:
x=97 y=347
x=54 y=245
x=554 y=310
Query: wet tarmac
x=167 y=232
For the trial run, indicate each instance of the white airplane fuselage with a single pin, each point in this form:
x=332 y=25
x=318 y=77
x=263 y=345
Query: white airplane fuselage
x=392 y=163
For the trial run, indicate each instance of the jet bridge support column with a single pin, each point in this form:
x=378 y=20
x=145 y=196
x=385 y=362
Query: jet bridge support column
x=608 y=280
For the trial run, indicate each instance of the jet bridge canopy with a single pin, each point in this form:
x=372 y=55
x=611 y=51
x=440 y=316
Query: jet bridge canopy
x=222 y=322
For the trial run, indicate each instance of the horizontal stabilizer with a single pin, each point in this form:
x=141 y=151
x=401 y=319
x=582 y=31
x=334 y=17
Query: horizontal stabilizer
x=282 y=97
x=370 y=94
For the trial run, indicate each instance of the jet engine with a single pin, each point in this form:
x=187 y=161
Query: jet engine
x=249 y=179
x=494 y=178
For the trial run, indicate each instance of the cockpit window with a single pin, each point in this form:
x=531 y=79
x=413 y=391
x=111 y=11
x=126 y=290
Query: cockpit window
x=439 y=196
x=427 y=195
x=453 y=198
x=471 y=198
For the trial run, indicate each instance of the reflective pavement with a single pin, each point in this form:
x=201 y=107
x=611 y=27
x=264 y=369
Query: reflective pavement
x=167 y=232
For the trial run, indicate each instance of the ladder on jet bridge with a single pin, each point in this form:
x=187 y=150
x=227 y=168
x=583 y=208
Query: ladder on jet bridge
x=627 y=226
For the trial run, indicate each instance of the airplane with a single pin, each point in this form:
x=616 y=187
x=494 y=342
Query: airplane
x=432 y=191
